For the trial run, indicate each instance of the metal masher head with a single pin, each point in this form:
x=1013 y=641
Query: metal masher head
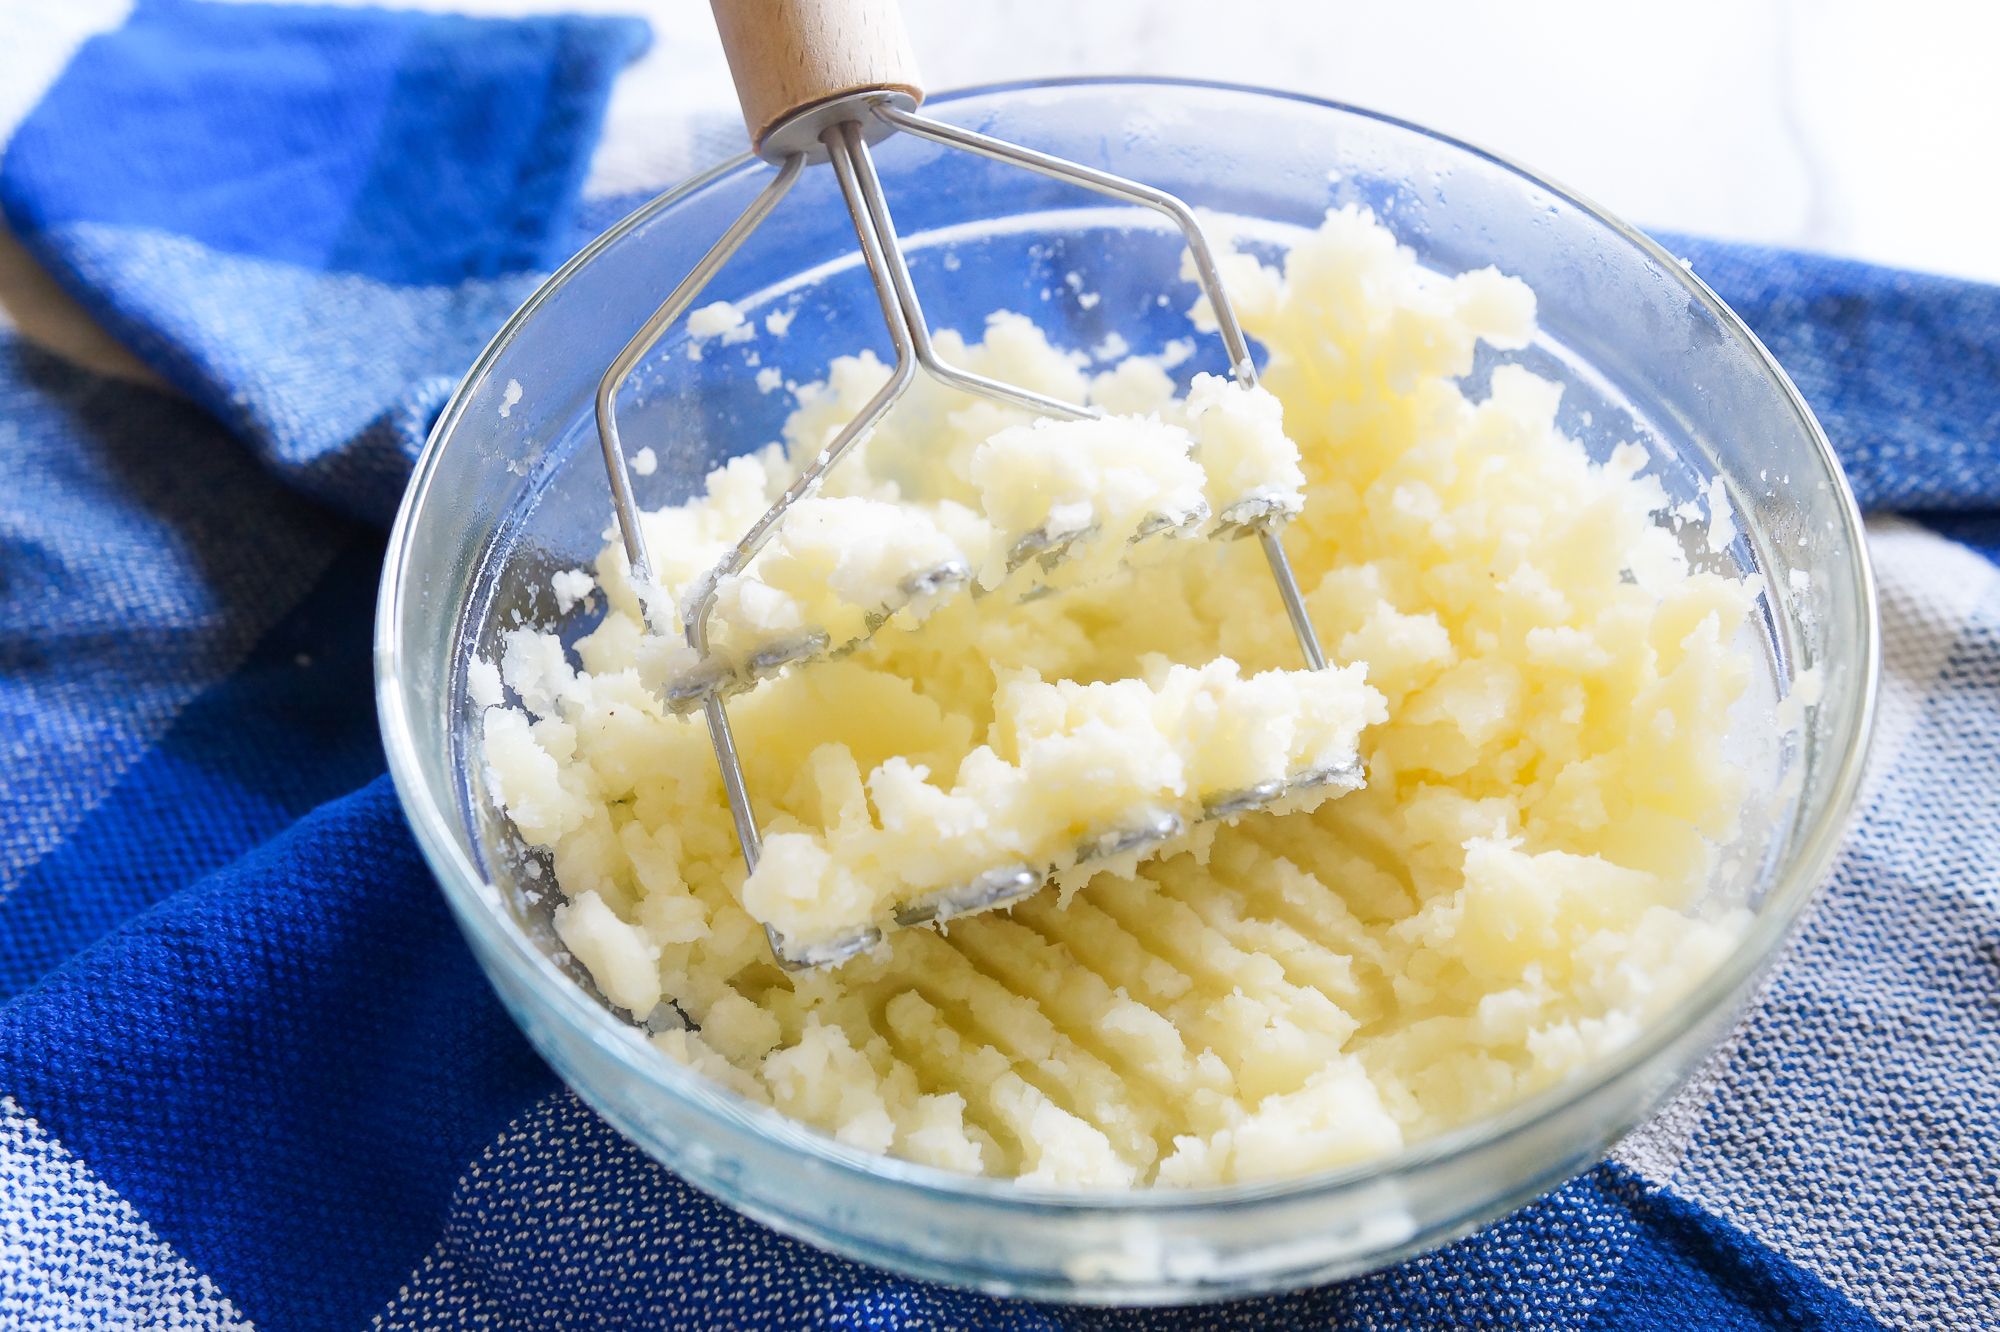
x=807 y=100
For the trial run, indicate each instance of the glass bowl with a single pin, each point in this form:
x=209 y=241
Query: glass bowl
x=511 y=489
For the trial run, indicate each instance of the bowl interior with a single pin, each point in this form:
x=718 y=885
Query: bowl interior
x=513 y=488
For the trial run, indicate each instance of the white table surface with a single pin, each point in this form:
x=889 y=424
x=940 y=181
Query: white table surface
x=1862 y=127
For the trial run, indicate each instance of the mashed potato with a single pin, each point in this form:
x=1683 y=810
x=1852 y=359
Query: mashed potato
x=1100 y=776
x=1047 y=504
x=1509 y=897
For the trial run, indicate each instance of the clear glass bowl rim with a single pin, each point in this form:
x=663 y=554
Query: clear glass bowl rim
x=479 y=913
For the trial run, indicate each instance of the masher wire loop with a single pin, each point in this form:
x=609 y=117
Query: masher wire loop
x=845 y=143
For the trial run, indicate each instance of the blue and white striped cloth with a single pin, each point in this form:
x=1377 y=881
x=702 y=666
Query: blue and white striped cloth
x=249 y=1076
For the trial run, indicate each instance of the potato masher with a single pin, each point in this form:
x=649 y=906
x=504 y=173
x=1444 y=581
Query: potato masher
x=820 y=81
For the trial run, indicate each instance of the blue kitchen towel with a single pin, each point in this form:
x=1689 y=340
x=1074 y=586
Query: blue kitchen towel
x=309 y=220
x=250 y=1077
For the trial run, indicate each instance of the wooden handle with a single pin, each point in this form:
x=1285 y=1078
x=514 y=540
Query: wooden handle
x=787 y=55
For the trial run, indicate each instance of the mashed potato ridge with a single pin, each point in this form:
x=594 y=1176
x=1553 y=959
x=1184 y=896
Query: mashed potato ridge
x=1067 y=765
x=1513 y=894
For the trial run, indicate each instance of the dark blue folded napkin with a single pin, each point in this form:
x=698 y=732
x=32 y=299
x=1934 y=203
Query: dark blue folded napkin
x=1902 y=369
x=310 y=220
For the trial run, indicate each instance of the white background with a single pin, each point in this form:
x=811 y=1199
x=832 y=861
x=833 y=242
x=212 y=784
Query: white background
x=1862 y=127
